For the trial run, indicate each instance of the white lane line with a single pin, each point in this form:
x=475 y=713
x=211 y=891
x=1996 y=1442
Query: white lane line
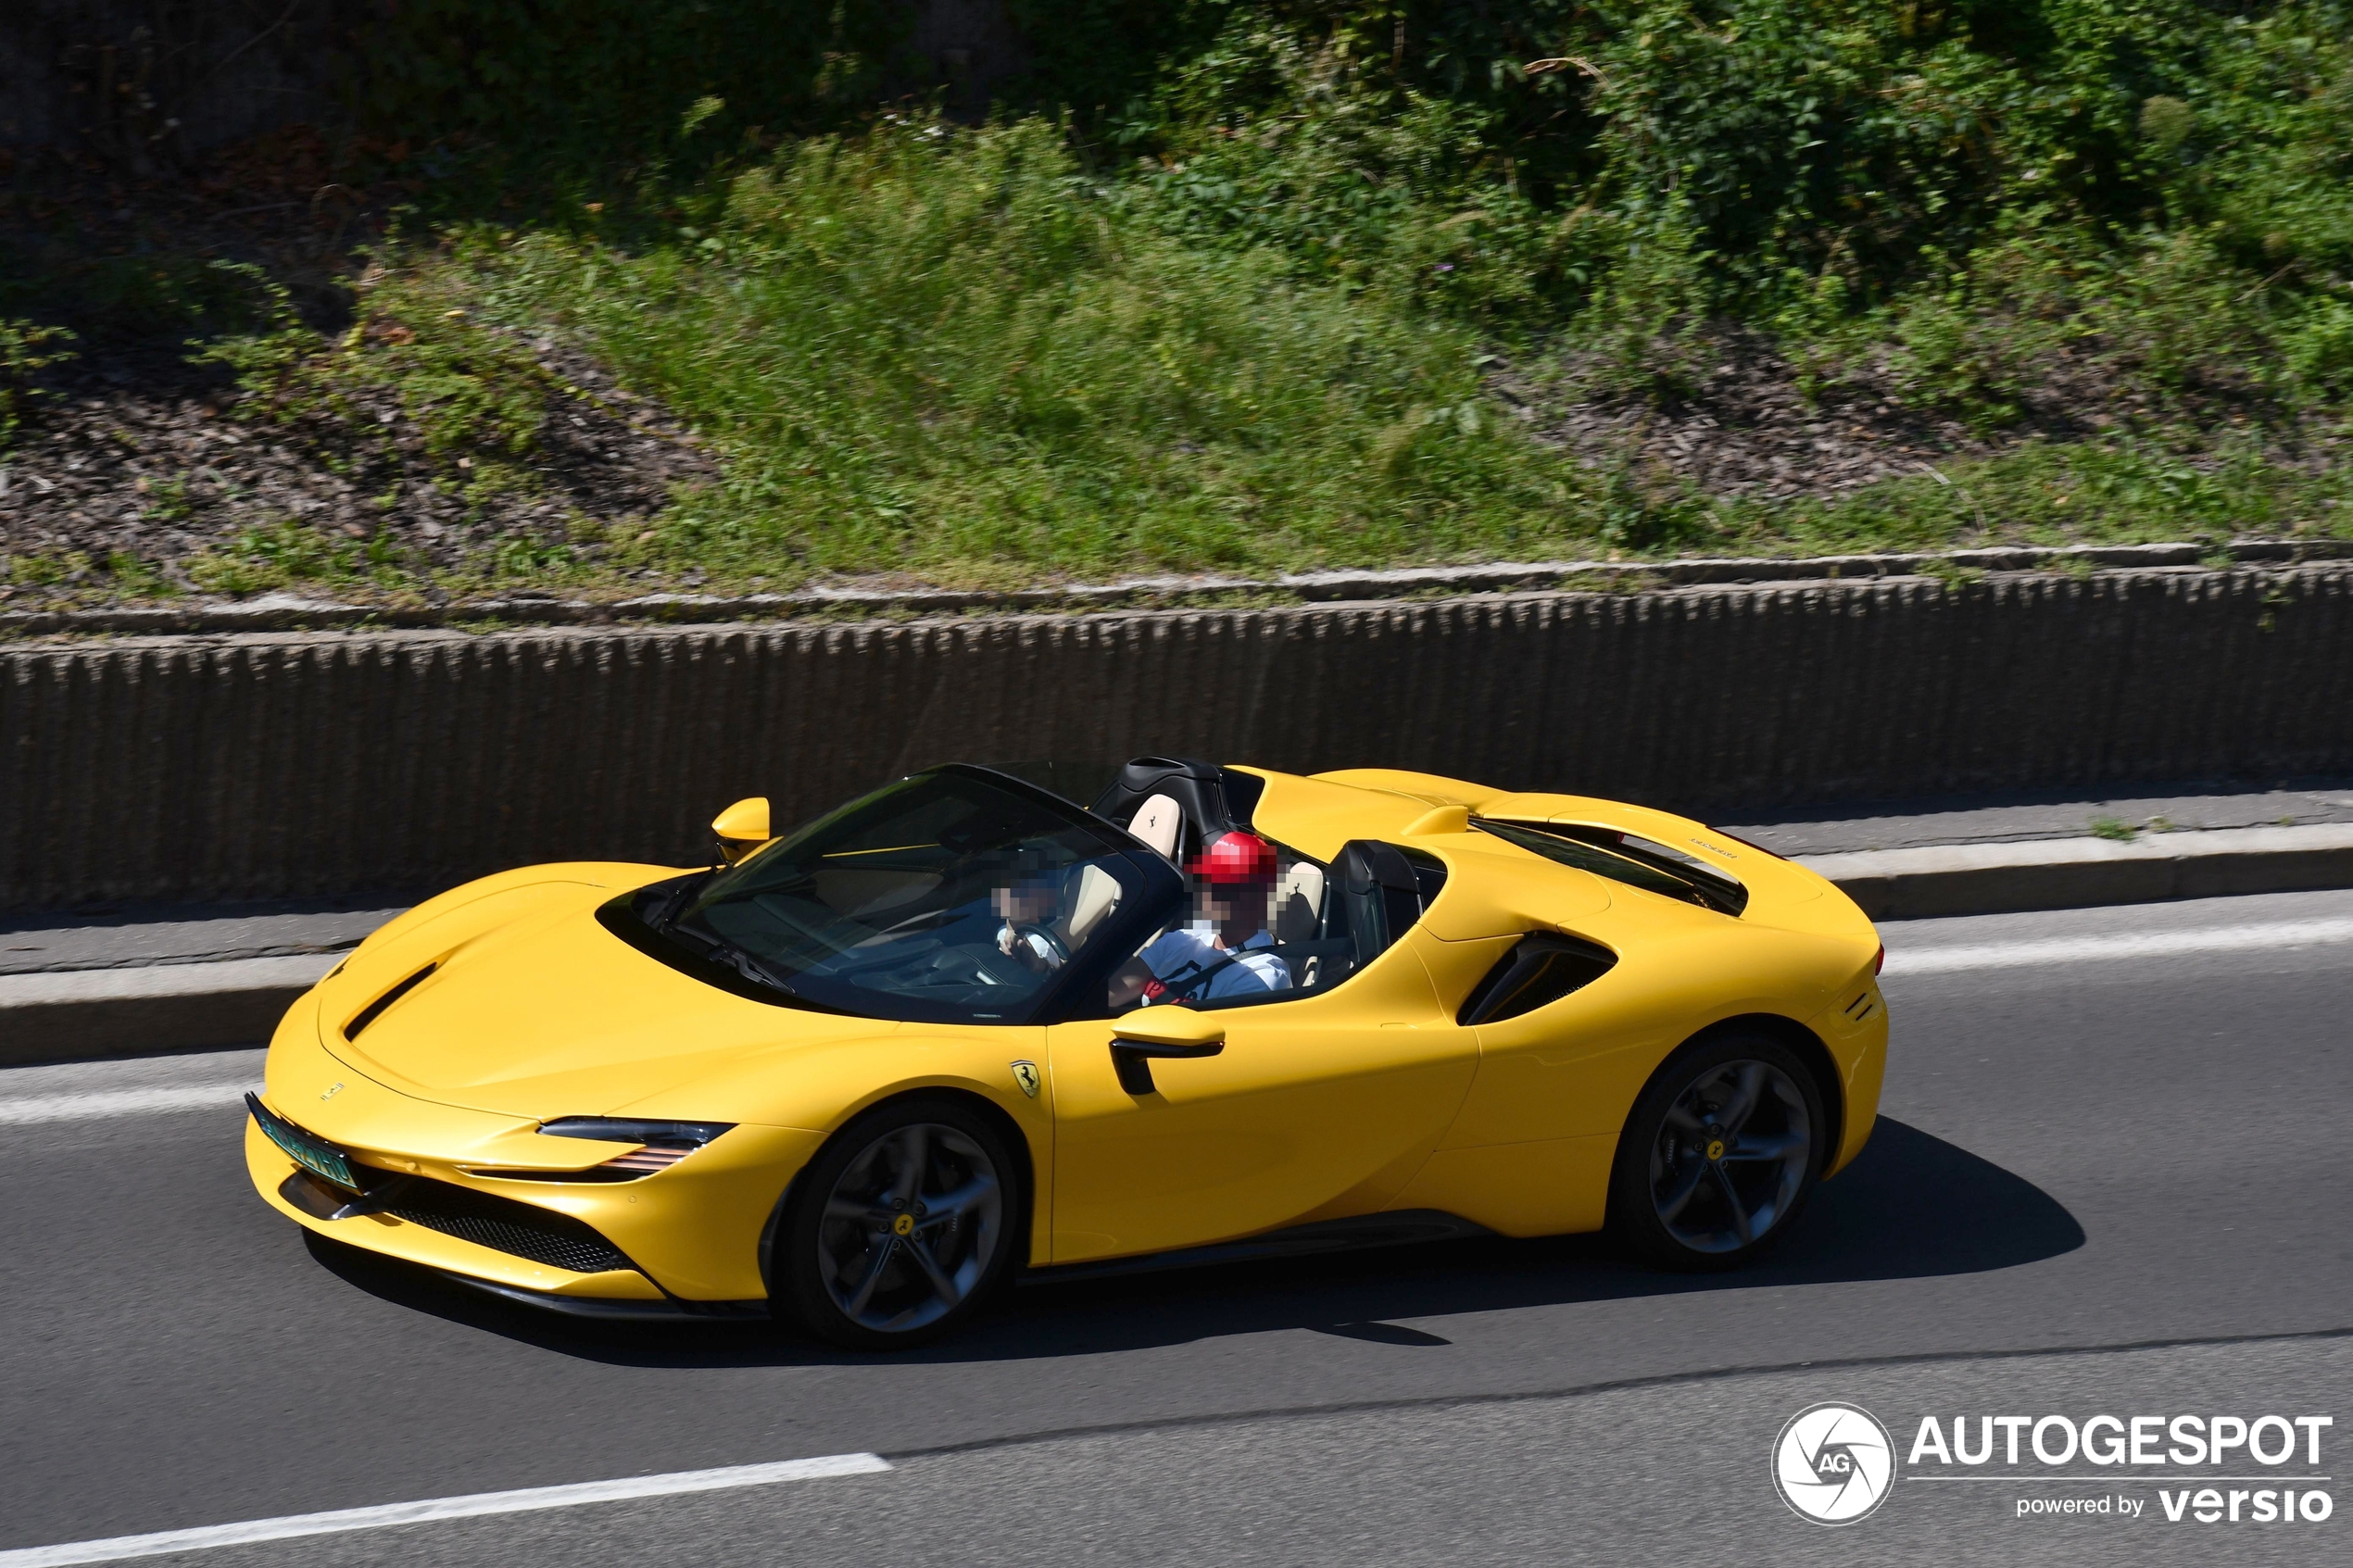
x=100 y=1104
x=525 y=1502
x=2132 y=945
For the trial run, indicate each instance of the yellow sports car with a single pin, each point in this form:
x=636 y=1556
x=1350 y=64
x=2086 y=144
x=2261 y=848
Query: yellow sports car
x=858 y=1074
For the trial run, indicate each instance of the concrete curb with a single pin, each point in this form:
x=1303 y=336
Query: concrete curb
x=90 y=1015
x=2066 y=874
x=83 y=1015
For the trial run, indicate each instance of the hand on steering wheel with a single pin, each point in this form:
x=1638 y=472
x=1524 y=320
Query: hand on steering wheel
x=1039 y=943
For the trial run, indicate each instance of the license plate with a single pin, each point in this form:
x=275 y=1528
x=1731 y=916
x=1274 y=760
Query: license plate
x=319 y=1159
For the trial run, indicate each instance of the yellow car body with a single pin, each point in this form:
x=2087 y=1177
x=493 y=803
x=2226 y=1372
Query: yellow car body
x=1369 y=1098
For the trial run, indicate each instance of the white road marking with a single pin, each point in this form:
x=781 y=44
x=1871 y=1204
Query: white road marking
x=101 y=1104
x=2107 y=949
x=525 y=1502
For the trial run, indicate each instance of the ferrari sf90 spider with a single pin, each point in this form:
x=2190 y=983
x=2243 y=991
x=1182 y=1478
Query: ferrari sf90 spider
x=862 y=1074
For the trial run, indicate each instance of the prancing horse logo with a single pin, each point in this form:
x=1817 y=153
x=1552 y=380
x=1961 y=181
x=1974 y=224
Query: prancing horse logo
x=1026 y=1074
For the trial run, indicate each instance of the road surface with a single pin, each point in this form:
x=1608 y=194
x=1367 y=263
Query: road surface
x=2111 y=1176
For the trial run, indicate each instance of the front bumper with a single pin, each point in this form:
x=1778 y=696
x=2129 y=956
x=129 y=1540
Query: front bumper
x=690 y=1234
x=682 y=1235
x=300 y=1197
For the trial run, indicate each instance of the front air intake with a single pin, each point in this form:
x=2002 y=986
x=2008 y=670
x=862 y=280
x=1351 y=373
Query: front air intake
x=558 y=1241
x=374 y=1009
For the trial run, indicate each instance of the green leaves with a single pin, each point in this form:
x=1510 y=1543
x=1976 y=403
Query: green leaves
x=26 y=349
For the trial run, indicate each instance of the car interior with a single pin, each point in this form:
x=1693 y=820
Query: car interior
x=1328 y=921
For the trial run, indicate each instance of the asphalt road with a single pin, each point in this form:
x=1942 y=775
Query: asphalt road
x=2109 y=1178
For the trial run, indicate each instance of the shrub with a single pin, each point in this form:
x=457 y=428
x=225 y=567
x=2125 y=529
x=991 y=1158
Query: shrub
x=26 y=349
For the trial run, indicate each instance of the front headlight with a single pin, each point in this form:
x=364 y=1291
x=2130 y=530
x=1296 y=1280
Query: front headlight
x=664 y=1144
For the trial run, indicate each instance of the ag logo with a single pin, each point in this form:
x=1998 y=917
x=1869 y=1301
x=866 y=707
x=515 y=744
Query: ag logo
x=332 y=1093
x=1026 y=1074
x=1833 y=1463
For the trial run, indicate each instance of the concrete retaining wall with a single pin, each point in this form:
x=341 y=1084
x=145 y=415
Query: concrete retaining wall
x=302 y=763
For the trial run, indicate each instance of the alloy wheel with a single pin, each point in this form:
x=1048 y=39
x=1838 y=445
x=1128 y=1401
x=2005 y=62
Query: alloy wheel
x=909 y=1229
x=1731 y=1157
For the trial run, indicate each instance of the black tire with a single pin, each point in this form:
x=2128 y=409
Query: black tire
x=1705 y=1179
x=864 y=1261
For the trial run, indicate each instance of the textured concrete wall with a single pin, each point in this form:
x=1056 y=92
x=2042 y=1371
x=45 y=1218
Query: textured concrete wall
x=314 y=763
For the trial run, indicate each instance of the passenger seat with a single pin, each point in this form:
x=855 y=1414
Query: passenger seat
x=1299 y=903
x=1160 y=822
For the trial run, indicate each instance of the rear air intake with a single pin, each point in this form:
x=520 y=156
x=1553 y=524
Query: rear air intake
x=374 y=1009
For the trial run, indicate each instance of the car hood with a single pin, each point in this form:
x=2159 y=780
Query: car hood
x=533 y=1008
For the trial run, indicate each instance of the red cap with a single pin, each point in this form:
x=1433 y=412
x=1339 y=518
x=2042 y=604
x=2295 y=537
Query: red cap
x=1236 y=858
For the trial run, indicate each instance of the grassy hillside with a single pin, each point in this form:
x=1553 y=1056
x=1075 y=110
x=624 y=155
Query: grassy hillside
x=1254 y=285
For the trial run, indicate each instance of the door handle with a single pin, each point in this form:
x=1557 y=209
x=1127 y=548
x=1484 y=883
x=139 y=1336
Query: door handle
x=1131 y=1053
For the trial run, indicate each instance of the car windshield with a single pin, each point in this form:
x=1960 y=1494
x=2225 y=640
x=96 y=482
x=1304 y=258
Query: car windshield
x=955 y=895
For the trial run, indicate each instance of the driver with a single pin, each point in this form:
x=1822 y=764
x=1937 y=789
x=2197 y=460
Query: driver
x=1233 y=879
x=1028 y=909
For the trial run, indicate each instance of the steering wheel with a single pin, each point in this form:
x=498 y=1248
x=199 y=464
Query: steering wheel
x=1057 y=953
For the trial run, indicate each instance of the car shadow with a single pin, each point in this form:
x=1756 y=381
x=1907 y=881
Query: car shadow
x=1912 y=1207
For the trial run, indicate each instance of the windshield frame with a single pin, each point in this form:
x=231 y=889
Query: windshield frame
x=649 y=918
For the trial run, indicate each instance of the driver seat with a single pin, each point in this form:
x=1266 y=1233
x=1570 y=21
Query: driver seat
x=1094 y=896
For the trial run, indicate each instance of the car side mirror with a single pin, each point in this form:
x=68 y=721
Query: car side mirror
x=741 y=828
x=1163 y=1031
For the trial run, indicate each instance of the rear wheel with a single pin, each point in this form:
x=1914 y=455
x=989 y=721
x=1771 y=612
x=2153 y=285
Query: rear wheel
x=1722 y=1150
x=902 y=1225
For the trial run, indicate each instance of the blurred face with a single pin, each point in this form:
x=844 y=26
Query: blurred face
x=1027 y=902
x=1233 y=906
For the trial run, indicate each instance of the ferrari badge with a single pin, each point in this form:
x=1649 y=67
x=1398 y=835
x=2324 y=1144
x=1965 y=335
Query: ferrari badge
x=1026 y=1074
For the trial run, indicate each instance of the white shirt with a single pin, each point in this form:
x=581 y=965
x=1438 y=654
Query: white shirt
x=1189 y=949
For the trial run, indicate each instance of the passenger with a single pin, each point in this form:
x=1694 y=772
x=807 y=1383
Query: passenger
x=1233 y=879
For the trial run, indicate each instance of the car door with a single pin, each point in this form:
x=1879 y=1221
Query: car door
x=1318 y=1106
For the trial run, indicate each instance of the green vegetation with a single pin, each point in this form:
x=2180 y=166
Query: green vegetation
x=940 y=352
x=26 y=349
x=1274 y=283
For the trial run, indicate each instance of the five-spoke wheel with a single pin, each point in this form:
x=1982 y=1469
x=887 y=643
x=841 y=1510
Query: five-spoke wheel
x=900 y=1225
x=1722 y=1149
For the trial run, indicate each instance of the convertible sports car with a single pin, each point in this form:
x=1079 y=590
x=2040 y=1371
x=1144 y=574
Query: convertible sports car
x=861 y=1074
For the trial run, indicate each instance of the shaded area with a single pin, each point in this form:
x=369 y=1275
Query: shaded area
x=1913 y=1206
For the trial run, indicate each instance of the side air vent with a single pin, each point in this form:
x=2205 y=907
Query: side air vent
x=1540 y=969
x=1860 y=1008
x=375 y=1009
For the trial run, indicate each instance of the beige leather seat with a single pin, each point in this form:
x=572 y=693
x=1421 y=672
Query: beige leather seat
x=1160 y=822
x=1094 y=896
x=1298 y=908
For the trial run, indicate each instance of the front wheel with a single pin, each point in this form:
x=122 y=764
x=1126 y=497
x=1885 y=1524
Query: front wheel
x=1722 y=1150
x=902 y=1225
